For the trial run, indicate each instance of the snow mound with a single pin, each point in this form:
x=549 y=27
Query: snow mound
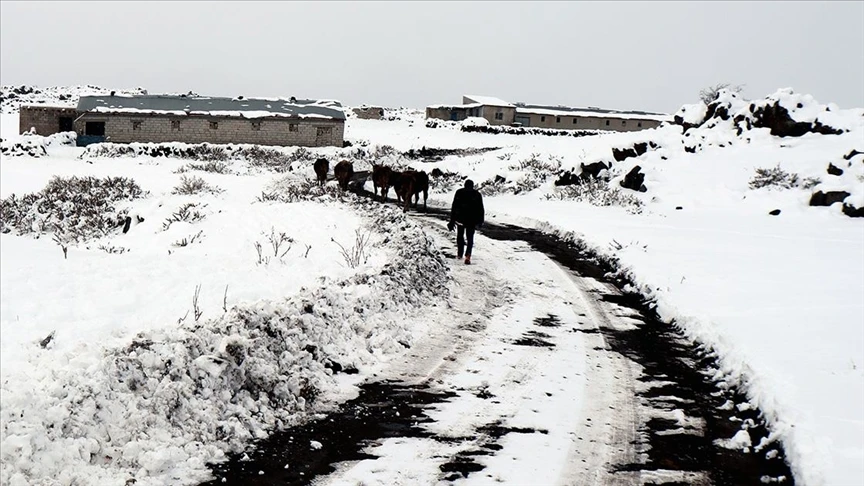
x=475 y=121
x=172 y=400
x=783 y=113
x=12 y=97
x=35 y=146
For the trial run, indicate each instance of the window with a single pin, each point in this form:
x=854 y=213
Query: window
x=575 y=120
x=639 y=124
x=499 y=116
x=256 y=126
x=136 y=125
x=542 y=118
x=557 y=119
x=325 y=131
x=175 y=124
x=607 y=123
x=623 y=123
x=293 y=127
x=214 y=125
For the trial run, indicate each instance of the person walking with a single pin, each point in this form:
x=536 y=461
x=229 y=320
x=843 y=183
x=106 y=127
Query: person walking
x=466 y=214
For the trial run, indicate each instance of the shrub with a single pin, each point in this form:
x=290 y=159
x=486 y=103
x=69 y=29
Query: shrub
x=194 y=185
x=291 y=189
x=597 y=193
x=214 y=166
x=187 y=213
x=775 y=177
x=79 y=207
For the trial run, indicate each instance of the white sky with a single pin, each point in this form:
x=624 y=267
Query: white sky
x=629 y=55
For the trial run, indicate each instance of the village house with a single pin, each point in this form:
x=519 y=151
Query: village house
x=192 y=119
x=499 y=112
x=366 y=112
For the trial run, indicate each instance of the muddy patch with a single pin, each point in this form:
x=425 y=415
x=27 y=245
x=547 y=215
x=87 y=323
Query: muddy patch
x=297 y=455
x=465 y=462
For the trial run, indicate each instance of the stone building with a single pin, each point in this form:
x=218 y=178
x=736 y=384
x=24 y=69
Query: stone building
x=499 y=112
x=496 y=111
x=369 y=112
x=192 y=119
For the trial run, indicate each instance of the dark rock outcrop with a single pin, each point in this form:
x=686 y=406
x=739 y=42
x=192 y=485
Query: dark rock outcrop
x=774 y=212
x=776 y=118
x=852 y=211
x=820 y=198
x=634 y=180
x=834 y=170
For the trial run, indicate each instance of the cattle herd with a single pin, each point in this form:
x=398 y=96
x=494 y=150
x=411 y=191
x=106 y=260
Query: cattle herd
x=406 y=184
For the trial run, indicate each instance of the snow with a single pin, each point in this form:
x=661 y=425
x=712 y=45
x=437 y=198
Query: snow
x=778 y=298
x=228 y=113
x=487 y=100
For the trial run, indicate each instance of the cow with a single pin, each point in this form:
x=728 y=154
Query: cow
x=344 y=171
x=412 y=184
x=396 y=183
x=381 y=175
x=321 y=168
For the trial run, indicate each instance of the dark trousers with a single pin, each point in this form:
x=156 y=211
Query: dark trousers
x=461 y=232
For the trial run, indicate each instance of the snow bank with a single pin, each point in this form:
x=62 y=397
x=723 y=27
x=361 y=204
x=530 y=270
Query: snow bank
x=161 y=407
x=35 y=146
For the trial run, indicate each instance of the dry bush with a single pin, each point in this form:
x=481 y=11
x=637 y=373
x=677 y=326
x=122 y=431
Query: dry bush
x=194 y=185
x=597 y=193
x=79 y=207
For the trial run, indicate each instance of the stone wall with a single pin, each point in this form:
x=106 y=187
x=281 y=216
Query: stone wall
x=45 y=119
x=306 y=132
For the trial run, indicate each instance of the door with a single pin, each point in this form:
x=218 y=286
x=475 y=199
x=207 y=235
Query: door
x=453 y=115
x=524 y=120
x=66 y=123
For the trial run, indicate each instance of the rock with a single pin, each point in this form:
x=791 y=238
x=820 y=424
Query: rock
x=634 y=180
x=593 y=171
x=775 y=212
x=851 y=154
x=679 y=208
x=776 y=118
x=833 y=170
x=820 y=198
x=852 y=211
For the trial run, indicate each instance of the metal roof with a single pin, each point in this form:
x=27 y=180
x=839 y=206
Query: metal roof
x=486 y=100
x=204 y=105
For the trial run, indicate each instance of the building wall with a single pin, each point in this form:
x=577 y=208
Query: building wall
x=445 y=112
x=589 y=123
x=123 y=128
x=508 y=114
x=369 y=112
x=45 y=119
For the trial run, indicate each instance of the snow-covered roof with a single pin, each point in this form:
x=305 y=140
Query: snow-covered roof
x=590 y=112
x=469 y=105
x=213 y=106
x=486 y=100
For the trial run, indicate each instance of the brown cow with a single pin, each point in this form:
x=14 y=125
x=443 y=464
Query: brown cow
x=412 y=184
x=344 y=171
x=396 y=183
x=321 y=167
x=381 y=175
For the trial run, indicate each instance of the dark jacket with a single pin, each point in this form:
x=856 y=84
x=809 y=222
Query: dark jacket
x=467 y=207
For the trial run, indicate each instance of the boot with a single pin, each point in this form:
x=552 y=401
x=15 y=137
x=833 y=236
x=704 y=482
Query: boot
x=468 y=260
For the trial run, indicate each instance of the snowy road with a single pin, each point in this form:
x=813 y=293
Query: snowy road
x=536 y=371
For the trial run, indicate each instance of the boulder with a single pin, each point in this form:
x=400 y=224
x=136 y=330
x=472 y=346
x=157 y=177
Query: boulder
x=820 y=198
x=852 y=211
x=834 y=170
x=774 y=212
x=634 y=180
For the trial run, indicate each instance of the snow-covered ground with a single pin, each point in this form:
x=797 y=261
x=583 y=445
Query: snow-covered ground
x=779 y=298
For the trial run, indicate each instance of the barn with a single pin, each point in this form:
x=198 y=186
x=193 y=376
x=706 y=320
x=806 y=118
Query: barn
x=192 y=119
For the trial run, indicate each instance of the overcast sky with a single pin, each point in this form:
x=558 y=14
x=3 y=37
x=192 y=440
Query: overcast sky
x=651 y=56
